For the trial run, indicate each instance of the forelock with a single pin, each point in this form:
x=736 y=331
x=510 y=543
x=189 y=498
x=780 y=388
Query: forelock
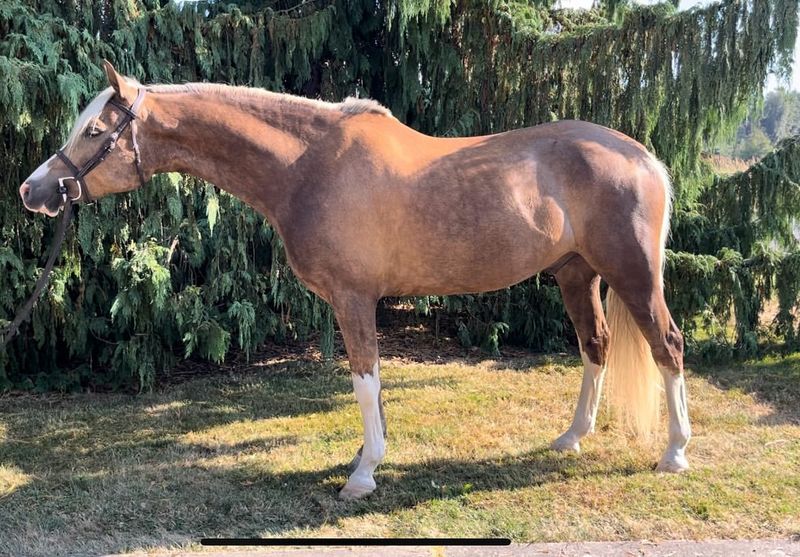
x=87 y=117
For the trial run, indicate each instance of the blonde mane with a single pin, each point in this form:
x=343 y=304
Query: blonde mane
x=350 y=105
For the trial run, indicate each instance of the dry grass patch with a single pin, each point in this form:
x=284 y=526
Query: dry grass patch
x=262 y=452
x=11 y=479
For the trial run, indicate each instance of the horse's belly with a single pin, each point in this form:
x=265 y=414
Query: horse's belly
x=461 y=269
x=491 y=240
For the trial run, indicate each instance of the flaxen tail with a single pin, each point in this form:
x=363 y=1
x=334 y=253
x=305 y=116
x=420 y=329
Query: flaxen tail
x=634 y=382
x=633 y=379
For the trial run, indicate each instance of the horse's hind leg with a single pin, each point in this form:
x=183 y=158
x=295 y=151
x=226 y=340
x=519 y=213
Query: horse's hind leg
x=674 y=459
x=580 y=288
x=356 y=317
x=638 y=286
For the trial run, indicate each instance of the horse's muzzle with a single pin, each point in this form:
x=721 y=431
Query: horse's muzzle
x=49 y=206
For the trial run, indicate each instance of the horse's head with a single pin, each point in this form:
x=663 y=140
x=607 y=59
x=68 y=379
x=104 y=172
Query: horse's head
x=100 y=156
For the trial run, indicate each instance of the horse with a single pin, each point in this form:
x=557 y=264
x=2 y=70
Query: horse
x=368 y=207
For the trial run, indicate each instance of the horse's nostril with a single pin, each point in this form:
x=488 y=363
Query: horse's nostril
x=25 y=191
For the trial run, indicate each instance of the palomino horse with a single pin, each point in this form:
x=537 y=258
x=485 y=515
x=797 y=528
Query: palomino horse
x=368 y=207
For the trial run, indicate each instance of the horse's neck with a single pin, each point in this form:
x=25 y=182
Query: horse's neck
x=244 y=145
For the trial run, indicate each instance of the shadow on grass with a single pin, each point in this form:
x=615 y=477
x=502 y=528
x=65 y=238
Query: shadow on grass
x=156 y=470
x=195 y=499
x=538 y=363
x=131 y=466
x=402 y=486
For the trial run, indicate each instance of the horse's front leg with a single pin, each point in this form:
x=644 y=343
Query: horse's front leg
x=356 y=317
x=357 y=459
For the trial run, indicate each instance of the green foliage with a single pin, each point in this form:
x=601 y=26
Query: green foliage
x=750 y=221
x=180 y=270
x=788 y=277
x=780 y=117
x=757 y=205
x=766 y=124
x=755 y=145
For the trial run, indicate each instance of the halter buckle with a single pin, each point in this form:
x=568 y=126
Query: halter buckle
x=64 y=190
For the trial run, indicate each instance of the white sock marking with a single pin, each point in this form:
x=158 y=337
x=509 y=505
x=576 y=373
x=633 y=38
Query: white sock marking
x=589 y=399
x=679 y=429
x=367 y=390
x=586 y=409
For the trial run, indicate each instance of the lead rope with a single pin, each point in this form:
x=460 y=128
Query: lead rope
x=78 y=175
x=25 y=311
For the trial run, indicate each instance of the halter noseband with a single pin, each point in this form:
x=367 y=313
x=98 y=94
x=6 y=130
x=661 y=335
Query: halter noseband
x=129 y=116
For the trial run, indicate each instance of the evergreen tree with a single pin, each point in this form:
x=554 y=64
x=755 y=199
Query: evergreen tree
x=179 y=269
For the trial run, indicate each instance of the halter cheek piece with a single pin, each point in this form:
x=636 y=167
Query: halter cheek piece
x=129 y=116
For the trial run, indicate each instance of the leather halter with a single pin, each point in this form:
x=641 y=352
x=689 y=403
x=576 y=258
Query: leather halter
x=129 y=116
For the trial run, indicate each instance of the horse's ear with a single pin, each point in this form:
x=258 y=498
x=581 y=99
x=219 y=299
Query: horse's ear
x=121 y=85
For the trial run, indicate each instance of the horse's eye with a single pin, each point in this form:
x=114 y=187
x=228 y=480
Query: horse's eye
x=97 y=128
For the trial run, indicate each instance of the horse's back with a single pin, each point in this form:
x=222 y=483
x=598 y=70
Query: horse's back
x=501 y=208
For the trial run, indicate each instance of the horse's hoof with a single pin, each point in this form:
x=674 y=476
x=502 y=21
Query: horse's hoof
x=567 y=442
x=357 y=489
x=673 y=464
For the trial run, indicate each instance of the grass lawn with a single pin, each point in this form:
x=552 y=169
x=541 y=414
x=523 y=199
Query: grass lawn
x=259 y=450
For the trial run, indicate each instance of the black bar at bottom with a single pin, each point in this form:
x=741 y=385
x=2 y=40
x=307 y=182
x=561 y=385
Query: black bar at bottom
x=355 y=541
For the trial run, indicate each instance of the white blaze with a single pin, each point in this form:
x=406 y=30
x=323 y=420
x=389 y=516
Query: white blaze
x=42 y=171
